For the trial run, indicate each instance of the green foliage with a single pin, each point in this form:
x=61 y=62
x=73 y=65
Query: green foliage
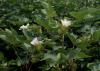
x=72 y=48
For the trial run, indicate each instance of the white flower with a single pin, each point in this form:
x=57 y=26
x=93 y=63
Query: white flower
x=35 y=41
x=66 y=22
x=24 y=27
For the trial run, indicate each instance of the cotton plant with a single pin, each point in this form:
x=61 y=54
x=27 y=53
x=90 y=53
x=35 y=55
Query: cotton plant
x=35 y=41
x=65 y=24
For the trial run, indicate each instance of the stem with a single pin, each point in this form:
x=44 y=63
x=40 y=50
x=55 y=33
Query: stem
x=62 y=40
x=29 y=67
x=25 y=34
x=17 y=56
x=62 y=35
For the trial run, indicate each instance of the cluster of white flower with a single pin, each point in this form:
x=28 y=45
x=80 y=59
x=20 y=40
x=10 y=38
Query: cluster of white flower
x=35 y=40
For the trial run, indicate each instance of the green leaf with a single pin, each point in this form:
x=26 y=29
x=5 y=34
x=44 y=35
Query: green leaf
x=3 y=37
x=95 y=66
x=50 y=56
x=1 y=56
x=85 y=13
x=81 y=55
x=72 y=37
x=96 y=35
x=48 y=10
